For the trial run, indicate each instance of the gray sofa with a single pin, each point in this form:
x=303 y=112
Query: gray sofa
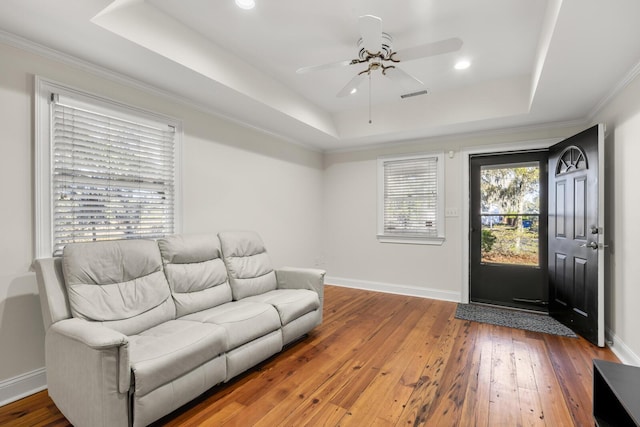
x=137 y=328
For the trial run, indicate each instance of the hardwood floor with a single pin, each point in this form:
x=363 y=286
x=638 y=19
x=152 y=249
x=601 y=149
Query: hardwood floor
x=390 y=360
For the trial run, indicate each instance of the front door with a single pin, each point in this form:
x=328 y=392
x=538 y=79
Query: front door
x=576 y=235
x=508 y=230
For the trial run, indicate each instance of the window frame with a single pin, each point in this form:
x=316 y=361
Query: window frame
x=43 y=88
x=416 y=239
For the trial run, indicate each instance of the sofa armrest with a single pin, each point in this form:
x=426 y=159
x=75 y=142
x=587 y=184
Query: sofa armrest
x=88 y=372
x=100 y=342
x=53 y=292
x=302 y=278
x=92 y=335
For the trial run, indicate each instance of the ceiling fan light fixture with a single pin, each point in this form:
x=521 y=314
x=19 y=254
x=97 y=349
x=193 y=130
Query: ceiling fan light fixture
x=245 y=4
x=462 y=64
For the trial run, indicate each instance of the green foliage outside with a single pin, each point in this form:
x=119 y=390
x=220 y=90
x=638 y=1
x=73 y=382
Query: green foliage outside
x=488 y=239
x=500 y=245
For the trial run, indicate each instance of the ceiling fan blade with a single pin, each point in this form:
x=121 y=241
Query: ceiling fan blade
x=404 y=79
x=353 y=84
x=371 y=32
x=429 y=49
x=312 y=68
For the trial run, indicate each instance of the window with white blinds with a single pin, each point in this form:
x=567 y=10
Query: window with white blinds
x=112 y=172
x=411 y=198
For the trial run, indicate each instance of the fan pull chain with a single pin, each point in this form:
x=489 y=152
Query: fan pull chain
x=369 y=97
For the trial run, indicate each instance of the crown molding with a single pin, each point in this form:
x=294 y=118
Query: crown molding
x=626 y=81
x=464 y=135
x=102 y=72
x=89 y=67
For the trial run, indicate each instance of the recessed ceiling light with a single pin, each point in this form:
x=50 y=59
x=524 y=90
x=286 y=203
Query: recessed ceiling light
x=354 y=90
x=463 y=64
x=246 y=4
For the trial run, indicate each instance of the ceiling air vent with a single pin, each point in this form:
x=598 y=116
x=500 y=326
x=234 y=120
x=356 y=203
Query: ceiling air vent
x=409 y=95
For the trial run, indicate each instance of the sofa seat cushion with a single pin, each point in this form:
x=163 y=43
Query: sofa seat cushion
x=243 y=321
x=167 y=351
x=290 y=303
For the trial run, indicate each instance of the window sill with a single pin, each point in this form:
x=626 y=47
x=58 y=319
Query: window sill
x=411 y=240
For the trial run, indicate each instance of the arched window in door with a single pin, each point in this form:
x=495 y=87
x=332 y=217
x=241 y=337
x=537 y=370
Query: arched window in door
x=571 y=160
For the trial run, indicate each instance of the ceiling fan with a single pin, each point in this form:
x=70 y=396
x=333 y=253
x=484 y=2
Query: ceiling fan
x=375 y=50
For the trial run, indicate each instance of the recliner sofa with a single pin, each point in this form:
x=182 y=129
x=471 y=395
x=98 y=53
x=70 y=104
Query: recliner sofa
x=137 y=328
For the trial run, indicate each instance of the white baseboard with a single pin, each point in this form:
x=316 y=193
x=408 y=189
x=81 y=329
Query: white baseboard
x=22 y=386
x=391 y=288
x=620 y=349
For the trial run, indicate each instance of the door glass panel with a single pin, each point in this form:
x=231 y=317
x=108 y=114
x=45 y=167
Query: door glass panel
x=510 y=213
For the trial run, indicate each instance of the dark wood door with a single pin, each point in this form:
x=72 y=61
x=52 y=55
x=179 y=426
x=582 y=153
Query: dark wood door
x=508 y=222
x=576 y=219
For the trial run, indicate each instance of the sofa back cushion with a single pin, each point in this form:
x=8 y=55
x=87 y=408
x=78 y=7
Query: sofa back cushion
x=196 y=273
x=119 y=283
x=248 y=264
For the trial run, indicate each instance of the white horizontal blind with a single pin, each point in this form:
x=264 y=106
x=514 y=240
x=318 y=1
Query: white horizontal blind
x=411 y=197
x=112 y=176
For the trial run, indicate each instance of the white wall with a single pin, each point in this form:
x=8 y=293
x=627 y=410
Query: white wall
x=234 y=177
x=622 y=142
x=21 y=331
x=354 y=256
x=237 y=178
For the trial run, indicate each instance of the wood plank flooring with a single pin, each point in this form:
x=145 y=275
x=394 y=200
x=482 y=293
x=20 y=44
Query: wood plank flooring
x=390 y=360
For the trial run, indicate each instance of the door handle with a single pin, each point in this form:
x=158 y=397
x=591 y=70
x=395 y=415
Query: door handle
x=592 y=245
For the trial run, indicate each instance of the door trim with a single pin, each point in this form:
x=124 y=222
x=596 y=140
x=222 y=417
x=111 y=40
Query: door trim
x=602 y=134
x=464 y=217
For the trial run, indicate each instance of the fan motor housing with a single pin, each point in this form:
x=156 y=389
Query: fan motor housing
x=386 y=50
